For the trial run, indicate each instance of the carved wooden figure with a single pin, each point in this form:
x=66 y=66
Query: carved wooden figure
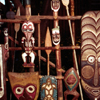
x=55 y=5
x=25 y=86
x=71 y=80
x=28 y=42
x=90 y=54
x=56 y=35
x=3 y=58
x=48 y=88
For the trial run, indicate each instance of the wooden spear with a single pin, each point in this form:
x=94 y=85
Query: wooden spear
x=16 y=27
x=48 y=43
x=66 y=3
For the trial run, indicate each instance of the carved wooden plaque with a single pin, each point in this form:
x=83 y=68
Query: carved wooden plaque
x=48 y=88
x=25 y=85
x=90 y=54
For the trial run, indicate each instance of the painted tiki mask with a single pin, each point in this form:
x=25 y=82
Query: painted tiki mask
x=56 y=35
x=90 y=54
x=28 y=29
x=55 y=5
x=25 y=85
x=48 y=88
x=71 y=80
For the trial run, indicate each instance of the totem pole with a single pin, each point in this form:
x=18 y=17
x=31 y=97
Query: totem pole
x=90 y=54
x=48 y=83
x=71 y=80
x=55 y=6
x=28 y=42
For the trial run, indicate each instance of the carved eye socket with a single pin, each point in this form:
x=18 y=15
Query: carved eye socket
x=99 y=59
x=19 y=90
x=30 y=89
x=91 y=59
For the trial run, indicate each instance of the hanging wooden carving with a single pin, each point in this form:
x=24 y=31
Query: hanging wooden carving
x=90 y=54
x=28 y=43
x=56 y=35
x=55 y=5
x=48 y=88
x=25 y=86
x=71 y=80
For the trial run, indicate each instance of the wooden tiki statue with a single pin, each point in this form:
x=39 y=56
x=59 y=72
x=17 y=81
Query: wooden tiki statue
x=25 y=86
x=90 y=54
x=2 y=73
x=48 y=88
x=71 y=80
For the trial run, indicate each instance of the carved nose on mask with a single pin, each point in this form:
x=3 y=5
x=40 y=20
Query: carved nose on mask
x=96 y=74
x=25 y=96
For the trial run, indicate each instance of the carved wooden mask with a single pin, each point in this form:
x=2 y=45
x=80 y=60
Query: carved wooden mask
x=55 y=5
x=71 y=79
x=25 y=85
x=90 y=54
x=48 y=88
x=28 y=29
x=56 y=35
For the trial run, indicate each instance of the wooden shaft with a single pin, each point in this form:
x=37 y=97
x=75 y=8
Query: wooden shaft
x=39 y=51
x=48 y=68
x=58 y=62
x=48 y=48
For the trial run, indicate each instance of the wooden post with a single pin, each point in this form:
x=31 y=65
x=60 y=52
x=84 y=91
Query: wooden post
x=39 y=45
x=58 y=62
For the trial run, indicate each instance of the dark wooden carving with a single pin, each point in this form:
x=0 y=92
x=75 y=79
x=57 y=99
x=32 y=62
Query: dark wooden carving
x=90 y=54
x=28 y=43
x=71 y=80
x=25 y=86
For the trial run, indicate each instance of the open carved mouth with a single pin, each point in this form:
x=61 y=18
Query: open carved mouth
x=95 y=91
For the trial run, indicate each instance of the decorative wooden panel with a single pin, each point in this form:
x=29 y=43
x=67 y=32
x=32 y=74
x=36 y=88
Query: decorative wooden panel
x=25 y=85
x=48 y=88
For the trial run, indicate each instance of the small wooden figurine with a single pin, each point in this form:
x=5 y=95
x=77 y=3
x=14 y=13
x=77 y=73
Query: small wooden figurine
x=25 y=86
x=28 y=42
x=71 y=80
x=48 y=88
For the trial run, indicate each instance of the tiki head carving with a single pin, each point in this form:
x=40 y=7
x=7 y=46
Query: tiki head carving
x=55 y=5
x=25 y=85
x=56 y=36
x=71 y=80
x=28 y=29
x=90 y=53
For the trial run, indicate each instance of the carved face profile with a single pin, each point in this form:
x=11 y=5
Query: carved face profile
x=25 y=85
x=55 y=5
x=71 y=79
x=28 y=29
x=48 y=88
x=56 y=36
x=90 y=54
